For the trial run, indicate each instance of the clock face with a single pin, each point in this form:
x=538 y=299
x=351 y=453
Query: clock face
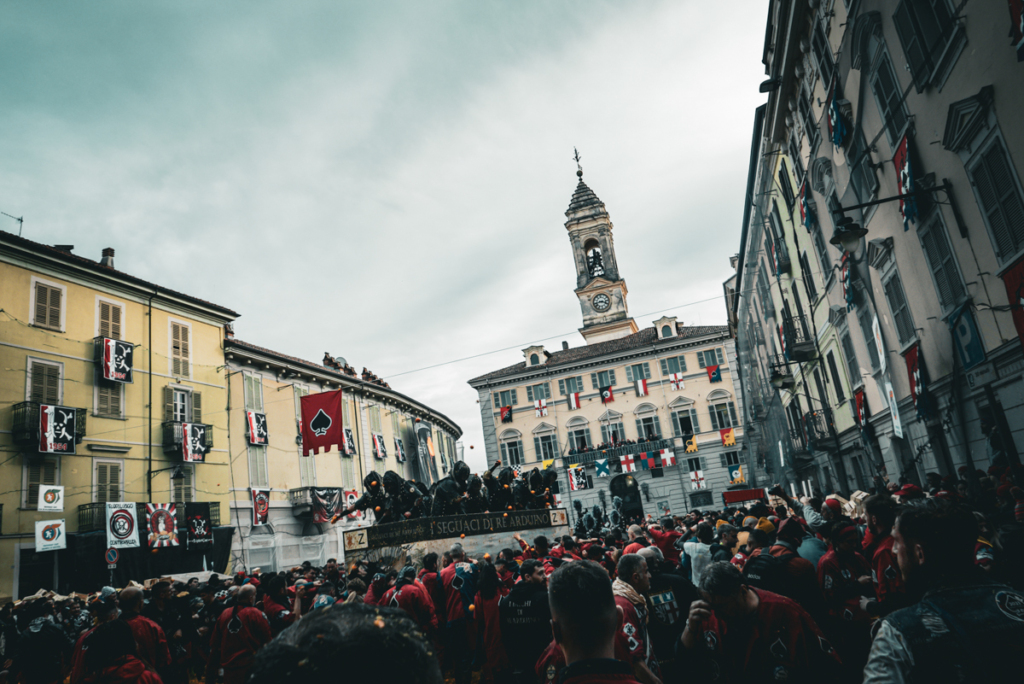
x=602 y=302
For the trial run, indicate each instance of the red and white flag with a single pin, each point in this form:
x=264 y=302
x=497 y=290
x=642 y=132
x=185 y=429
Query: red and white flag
x=697 y=480
x=578 y=478
x=257 y=427
x=676 y=381
x=540 y=407
x=668 y=458
x=641 y=387
x=628 y=464
x=193 y=442
x=574 y=401
x=56 y=429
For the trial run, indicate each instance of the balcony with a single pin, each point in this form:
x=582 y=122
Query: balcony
x=588 y=457
x=799 y=340
x=302 y=500
x=93 y=516
x=820 y=429
x=781 y=370
x=26 y=425
x=172 y=437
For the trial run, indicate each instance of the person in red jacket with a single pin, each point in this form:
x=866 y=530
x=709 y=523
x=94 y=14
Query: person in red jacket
x=845 y=577
x=584 y=623
x=630 y=588
x=378 y=587
x=430 y=577
x=112 y=657
x=880 y=511
x=103 y=608
x=459 y=580
x=278 y=607
x=411 y=596
x=492 y=648
x=150 y=640
x=742 y=634
x=665 y=536
x=239 y=633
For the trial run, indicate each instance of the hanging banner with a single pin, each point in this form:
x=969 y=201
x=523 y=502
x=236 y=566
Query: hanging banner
x=641 y=387
x=846 y=278
x=890 y=394
x=601 y=467
x=876 y=331
x=573 y=400
x=193 y=442
x=905 y=182
x=668 y=458
x=697 y=480
x=736 y=475
x=807 y=215
x=117 y=360
x=506 y=414
x=198 y=527
x=860 y=408
x=162 y=525
x=834 y=120
x=400 y=450
x=714 y=373
x=607 y=395
x=51 y=498
x=122 y=527
x=918 y=379
x=728 y=436
x=51 y=535
x=261 y=506
x=326 y=503
x=351 y=496
x=350 y=443
x=379 y=450
x=967 y=337
x=628 y=464
x=540 y=408
x=321 y=422
x=257 y=427
x=676 y=381
x=1017 y=27
x=577 y=478
x=1013 y=279
x=57 y=429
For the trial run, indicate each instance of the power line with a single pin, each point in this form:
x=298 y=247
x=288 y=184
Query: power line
x=544 y=339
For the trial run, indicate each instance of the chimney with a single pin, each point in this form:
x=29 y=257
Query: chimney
x=565 y=345
x=229 y=329
x=108 y=257
x=64 y=248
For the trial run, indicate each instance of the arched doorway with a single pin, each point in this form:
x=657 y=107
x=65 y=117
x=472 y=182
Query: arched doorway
x=628 y=489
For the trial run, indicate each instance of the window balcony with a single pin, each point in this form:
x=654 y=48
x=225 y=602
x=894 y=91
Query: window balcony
x=588 y=457
x=801 y=343
x=781 y=370
x=302 y=500
x=93 y=516
x=820 y=429
x=25 y=427
x=172 y=437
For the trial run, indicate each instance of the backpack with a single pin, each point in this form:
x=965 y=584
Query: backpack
x=768 y=572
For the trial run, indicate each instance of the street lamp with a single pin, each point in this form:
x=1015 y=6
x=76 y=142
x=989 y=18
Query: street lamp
x=848 y=234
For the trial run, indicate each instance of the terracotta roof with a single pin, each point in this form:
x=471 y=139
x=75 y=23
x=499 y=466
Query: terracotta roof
x=320 y=368
x=644 y=338
x=95 y=266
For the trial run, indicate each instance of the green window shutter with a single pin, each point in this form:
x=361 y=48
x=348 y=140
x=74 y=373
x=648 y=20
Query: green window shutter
x=611 y=377
x=700 y=359
x=639 y=429
x=593 y=380
x=732 y=413
x=676 y=430
x=725 y=463
x=704 y=465
x=664 y=368
x=536 y=448
x=504 y=453
x=721 y=357
x=197 y=407
x=629 y=374
x=547 y=390
x=168 y=403
x=496 y=398
x=647 y=370
x=693 y=421
x=529 y=393
x=561 y=387
x=514 y=400
x=682 y=364
x=714 y=418
x=657 y=426
x=1000 y=201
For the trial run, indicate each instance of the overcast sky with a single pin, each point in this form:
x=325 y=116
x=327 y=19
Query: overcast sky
x=386 y=181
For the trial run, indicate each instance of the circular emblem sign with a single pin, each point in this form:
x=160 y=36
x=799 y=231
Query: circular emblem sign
x=122 y=524
x=262 y=504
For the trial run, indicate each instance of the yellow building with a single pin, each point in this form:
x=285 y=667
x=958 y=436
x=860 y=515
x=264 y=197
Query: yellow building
x=270 y=383
x=55 y=309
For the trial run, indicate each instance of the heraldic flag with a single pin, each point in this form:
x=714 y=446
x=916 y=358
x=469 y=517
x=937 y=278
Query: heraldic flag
x=506 y=414
x=628 y=464
x=728 y=436
x=607 y=395
x=641 y=387
x=198 y=526
x=668 y=458
x=574 y=400
x=162 y=524
x=261 y=506
x=322 y=422
x=676 y=381
x=578 y=478
x=714 y=373
x=540 y=408
x=601 y=467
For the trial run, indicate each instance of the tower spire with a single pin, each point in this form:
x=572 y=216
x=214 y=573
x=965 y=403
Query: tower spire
x=579 y=168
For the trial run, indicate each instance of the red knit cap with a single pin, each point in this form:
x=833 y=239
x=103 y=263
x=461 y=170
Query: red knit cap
x=837 y=508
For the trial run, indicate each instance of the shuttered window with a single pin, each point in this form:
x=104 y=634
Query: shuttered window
x=253 y=390
x=307 y=464
x=999 y=197
x=258 y=476
x=808 y=277
x=603 y=379
x=110 y=320
x=612 y=432
x=539 y=391
x=505 y=398
x=108 y=399
x=852 y=367
x=648 y=427
x=38 y=472
x=948 y=284
x=638 y=371
x=375 y=419
x=181 y=489
x=180 y=350
x=762 y=293
x=512 y=452
x=674 y=364
x=822 y=54
x=45 y=382
x=182 y=406
x=108 y=481
x=579 y=439
x=711 y=357
x=546 y=447
x=723 y=415
x=684 y=423
x=864 y=316
x=833 y=369
x=924 y=28
x=786 y=185
x=570 y=385
x=889 y=98
x=862 y=175
x=900 y=309
x=49 y=300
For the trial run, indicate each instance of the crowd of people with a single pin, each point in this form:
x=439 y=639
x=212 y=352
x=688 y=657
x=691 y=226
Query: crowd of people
x=907 y=585
x=613 y=444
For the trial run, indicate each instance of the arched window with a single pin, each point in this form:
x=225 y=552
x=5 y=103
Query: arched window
x=666 y=331
x=511 y=447
x=545 y=442
x=648 y=426
x=534 y=359
x=579 y=435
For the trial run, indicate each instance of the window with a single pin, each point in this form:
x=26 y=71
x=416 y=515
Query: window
x=945 y=275
x=39 y=472
x=44 y=382
x=253 y=390
x=834 y=371
x=579 y=438
x=666 y=331
x=794 y=155
x=786 y=185
x=505 y=398
x=822 y=54
x=684 y=422
x=603 y=379
x=540 y=391
x=375 y=424
x=864 y=316
x=534 y=359
x=820 y=247
x=47 y=305
x=852 y=367
x=710 y=357
x=546 y=447
x=179 y=408
x=107 y=480
x=999 y=197
x=900 y=309
x=730 y=459
x=927 y=32
x=808 y=277
x=180 y=350
x=862 y=175
x=888 y=97
x=638 y=371
x=810 y=125
x=723 y=415
x=762 y=293
x=612 y=433
x=570 y=385
x=259 y=475
x=673 y=364
x=109 y=316
x=181 y=489
x=648 y=427
x=512 y=452
x=109 y=397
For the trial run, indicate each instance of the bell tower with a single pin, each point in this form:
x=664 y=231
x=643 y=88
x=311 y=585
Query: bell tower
x=600 y=289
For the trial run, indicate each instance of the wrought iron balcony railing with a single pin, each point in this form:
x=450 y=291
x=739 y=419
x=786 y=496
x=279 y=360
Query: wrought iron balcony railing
x=173 y=436
x=25 y=426
x=820 y=428
x=588 y=457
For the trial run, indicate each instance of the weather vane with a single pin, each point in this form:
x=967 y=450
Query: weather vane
x=576 y=156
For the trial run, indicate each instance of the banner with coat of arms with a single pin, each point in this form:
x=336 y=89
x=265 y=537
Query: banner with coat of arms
x=122 y=526
x=260 y=506
x=198 y=526
x=162 y=525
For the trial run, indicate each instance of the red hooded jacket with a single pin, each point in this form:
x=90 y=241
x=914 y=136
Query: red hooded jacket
x=489 y=623
x=150 y=640
x=125 y=670
x=413 y=599
x=233 y=646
